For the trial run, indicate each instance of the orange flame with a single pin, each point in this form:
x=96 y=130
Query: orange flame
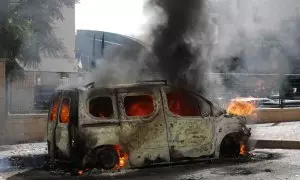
x=243 y=149
x=139 y=106
x=241 y=107
x=65 y=111
x=81 y=172
x=123 y=156
x=53 y=110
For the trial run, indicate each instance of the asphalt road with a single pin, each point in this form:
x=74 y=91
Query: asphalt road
x=22 y=162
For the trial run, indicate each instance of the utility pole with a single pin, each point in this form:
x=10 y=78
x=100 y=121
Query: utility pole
x=102 y=46
x=93 y=63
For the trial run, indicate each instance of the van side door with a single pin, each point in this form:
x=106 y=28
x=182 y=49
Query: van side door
x=189 y=124
x=143 y=126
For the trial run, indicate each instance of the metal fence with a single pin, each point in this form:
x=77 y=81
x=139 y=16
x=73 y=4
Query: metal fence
x=272 y=90
x=31 y=94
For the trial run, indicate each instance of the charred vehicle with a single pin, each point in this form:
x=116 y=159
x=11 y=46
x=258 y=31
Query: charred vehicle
x=140 y=124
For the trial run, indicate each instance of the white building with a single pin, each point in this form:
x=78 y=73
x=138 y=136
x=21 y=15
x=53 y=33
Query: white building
x=65 y=30
x=25 y=94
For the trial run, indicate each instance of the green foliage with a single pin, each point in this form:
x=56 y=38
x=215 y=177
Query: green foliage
x=28 y=31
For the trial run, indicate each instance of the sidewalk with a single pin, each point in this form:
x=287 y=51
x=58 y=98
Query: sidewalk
x=276 y=135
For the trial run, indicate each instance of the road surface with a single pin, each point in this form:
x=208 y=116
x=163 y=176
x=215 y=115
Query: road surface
x=24 y=162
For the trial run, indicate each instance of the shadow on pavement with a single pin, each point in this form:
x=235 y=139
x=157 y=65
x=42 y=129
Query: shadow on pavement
x=13 y=163
x=229 y=167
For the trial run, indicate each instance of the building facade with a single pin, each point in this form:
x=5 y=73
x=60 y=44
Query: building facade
x=64 y=30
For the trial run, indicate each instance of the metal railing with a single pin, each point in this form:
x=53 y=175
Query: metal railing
x=274 y=90
x=31 y=94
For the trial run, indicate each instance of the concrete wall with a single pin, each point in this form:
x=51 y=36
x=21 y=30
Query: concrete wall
x=275 y=115
x=17 y=129
x=21 y=129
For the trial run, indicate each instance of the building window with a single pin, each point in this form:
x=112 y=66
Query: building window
x=42 y=97
x=64 y=78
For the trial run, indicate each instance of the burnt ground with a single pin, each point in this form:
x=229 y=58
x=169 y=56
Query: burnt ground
x=22 y=162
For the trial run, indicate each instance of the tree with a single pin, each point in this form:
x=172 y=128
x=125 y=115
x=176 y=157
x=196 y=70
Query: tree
x=27 y=31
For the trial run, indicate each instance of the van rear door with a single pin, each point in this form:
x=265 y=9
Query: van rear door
x=52 y=122
x=67 y=122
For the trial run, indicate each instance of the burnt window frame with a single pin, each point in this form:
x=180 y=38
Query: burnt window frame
x=112 y=105
x=64 y=94
x=136 y=92
x=112 y=119
x=165 y=91
x=59 y=96
x=60 y=106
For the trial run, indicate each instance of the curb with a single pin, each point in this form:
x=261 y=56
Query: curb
x=274 y=144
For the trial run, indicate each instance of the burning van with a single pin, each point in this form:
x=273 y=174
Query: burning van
x=140 y=124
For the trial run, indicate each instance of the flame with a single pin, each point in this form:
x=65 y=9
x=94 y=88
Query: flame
x=53 y=111
x=139 y=105
x=82 y=172
x=123 y=156
x=241 y=106
x=243 y=149
x=180 y=104
x=65 y=112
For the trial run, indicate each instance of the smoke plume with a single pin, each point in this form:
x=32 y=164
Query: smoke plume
x=252 y=37
x=262 y=35
x=176 y=35
x=193 y=39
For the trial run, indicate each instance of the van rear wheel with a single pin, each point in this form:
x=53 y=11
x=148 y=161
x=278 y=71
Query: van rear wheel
x=107 y=157
x=103 y=157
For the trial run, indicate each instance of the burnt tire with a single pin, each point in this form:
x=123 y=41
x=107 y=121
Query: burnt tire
x=229 y=147
x=107 y=157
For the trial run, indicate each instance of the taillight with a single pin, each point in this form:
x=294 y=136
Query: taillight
x=65 y=111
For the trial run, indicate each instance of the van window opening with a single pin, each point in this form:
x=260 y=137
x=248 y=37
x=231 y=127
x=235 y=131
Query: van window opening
x=101 y=107
x=65 y=111
x=142 y=105
x=182 y=104
x=54 y=108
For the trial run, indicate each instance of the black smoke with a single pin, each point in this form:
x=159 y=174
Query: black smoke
x=178 y=61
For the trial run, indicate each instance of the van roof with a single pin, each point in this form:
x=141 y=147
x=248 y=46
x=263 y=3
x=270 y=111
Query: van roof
x=129 y=85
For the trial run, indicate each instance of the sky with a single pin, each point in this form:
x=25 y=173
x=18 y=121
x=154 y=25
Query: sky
x=119 y=16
